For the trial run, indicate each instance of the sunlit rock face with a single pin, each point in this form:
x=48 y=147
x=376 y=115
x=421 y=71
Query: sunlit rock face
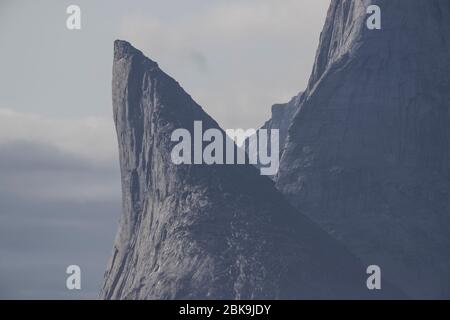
x=367 y=155
x=199 y=231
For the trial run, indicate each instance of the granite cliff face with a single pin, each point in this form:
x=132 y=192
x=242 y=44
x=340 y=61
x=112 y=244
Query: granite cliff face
x=198 y=231
x=281 y=117
x=368 y=151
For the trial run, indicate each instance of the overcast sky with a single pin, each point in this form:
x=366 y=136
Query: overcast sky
x=59 y=176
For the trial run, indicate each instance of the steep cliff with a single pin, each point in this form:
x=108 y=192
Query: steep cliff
x=368 y=151
x=199 y=231
x=281 y=117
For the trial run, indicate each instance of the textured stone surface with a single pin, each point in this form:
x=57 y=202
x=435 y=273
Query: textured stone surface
x=197 y=231
x=368 y=152
x=281 y=118
x=282 y=115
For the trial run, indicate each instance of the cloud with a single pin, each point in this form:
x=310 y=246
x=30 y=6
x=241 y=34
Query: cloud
x=59 y=204
x=37 y=171
x=92 y=138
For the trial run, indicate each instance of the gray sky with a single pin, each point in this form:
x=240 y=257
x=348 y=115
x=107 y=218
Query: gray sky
x=59 y=178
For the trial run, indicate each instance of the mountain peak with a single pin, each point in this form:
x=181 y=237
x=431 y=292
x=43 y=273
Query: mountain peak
x=124 y=49
x=345 y=33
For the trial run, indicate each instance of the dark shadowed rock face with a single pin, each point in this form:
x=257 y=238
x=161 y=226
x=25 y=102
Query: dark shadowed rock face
x=368 y=152
x=196 y=231
x=282 y=115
